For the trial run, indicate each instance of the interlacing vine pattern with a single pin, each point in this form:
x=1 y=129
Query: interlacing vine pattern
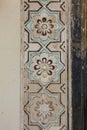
x=44 y=58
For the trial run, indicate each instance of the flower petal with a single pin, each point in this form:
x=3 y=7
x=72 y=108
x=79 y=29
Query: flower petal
x=39 y=72
x=49 y=21
x=44 y=19
x=51 y=25
x=49 y=72
x=44 y=60
x=38 y=21
x=36 y=26
x=49 y=31
x=50 y=62
x=38 y=30
x=44 y=32
x=38 y=61
x=52 y=67
x=36 y=67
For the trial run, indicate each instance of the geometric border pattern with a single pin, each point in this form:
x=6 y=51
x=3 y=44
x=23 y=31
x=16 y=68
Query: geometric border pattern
x=45 y=51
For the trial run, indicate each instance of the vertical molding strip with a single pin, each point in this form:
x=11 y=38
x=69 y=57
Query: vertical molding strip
x=46 y=86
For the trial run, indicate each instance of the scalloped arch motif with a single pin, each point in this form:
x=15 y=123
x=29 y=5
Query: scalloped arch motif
x=45 y=65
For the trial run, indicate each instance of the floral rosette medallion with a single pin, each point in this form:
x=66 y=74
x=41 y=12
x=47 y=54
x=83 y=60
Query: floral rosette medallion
x=45 y=68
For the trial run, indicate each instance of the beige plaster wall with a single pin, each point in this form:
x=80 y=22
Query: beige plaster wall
x=9 y=64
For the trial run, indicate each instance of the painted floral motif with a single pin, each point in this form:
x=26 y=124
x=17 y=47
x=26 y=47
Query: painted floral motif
x=45 y=67
x=45 y=26
x=45 y=108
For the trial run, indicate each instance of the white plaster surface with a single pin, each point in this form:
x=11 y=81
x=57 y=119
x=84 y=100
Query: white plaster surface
x=9 y=64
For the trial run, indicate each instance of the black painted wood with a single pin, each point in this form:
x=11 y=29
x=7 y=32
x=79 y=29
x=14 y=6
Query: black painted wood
x=78 y=96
